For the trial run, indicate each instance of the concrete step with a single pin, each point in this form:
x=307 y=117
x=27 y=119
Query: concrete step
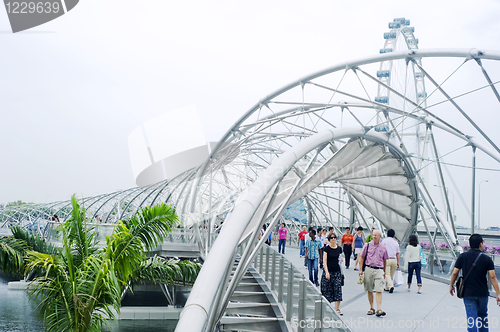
x=249 y=297
x=250 y=324
x=250 y=309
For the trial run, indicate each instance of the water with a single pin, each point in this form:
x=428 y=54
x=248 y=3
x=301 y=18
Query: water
x=141 y=325
x=17 y=314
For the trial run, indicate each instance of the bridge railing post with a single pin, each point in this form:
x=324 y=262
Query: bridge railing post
x=302 y=305
x=255 y=260
x=267 y=264
x=280 y=280
x=289 y=294
x=431 y=262
x=261 y=257
x=273 y=270
x=318 y=316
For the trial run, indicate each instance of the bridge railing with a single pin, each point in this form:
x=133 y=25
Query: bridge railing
x=301 y=302
x=440 y=267
x=54 y=236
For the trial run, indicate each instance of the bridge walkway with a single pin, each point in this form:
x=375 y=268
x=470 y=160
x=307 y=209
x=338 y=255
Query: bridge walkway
x=434 y=309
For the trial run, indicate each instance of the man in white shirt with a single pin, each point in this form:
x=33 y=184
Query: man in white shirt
x=392 y=247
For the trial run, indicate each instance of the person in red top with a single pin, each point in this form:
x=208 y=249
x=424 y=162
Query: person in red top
x=302 y=241
x=346 y=240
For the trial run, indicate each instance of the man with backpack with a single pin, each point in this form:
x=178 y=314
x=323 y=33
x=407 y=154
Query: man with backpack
x=475 y=266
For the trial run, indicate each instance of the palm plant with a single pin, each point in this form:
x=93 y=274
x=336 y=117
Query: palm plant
x=81 y=284
x=33 y=240
x=12 y=254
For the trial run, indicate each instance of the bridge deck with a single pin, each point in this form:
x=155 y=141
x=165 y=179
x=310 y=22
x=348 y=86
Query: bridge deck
x=434 y=309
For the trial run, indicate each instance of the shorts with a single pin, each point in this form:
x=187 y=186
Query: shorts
x=374 y=280
x=358 y=251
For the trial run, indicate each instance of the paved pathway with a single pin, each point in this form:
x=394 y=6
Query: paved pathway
x=433 y=310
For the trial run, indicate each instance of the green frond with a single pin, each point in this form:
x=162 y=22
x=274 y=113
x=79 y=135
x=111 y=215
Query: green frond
x=152 y=224
x=78 y=285
x=173 y=271
x=12 y=254
x=80 y=235
x=35 y=241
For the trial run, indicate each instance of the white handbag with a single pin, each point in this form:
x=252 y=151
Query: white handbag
x=398 y=278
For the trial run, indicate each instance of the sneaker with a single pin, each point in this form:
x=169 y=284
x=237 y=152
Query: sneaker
x=419 y=292
x=391 y=290
x=386 y=290
x=408 y=289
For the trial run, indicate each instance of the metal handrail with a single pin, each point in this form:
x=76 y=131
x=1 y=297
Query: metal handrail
x=437 y=266
x=301 y=302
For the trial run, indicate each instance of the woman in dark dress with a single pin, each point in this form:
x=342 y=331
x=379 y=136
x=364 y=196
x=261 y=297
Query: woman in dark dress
x=331 y=280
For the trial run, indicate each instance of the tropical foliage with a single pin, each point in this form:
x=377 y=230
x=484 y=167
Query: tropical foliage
x=12 y=252
x=80 y=283
x=17 y=203
x=34 y=241
x=170 y=272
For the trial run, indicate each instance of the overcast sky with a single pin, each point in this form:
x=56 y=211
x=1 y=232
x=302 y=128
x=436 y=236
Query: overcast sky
x=73 y=89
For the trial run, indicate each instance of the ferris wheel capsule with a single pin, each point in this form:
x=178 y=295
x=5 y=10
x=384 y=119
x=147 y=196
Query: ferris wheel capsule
x=382 y=100
x=389 y=35
x=383 y=73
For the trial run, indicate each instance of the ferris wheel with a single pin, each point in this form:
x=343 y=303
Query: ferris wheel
x=402 y=86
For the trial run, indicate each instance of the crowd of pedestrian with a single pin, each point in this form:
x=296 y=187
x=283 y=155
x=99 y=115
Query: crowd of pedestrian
x=378 y=261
